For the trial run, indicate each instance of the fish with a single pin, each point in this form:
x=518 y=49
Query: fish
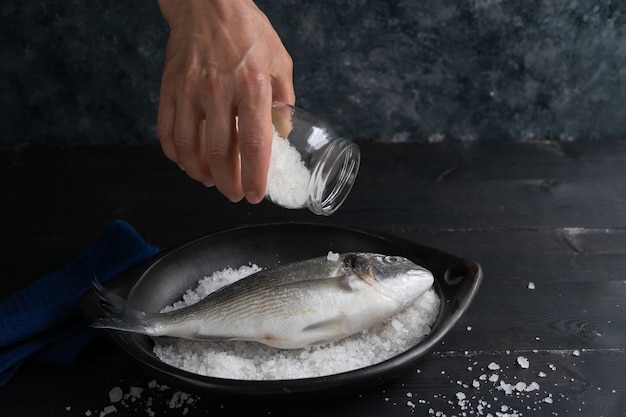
x=291 y=306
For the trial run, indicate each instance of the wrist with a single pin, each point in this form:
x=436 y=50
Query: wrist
x=174 y=10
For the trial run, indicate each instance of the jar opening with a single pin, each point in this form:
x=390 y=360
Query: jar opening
x=333 y=177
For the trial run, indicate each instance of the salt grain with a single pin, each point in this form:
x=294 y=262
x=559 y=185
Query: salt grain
x=116 y=395
x=333 y=257
x=253 y=361
x=135 y=392
x=531 y=285
x=523 y=362
x=288 y=177
x=521 y=386
x=493 y=366
x=108 y=410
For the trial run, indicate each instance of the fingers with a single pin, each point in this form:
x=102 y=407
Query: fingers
x=282 y=82
x=220 y=150
x=166 y=115
x=181 y=127
x=187 y=128
x=222 y=62
x=255 y=139
x=205 y=142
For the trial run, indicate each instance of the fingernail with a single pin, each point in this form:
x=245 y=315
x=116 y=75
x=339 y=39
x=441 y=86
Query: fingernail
x=253 y=197
x=181 y=167
x=208 y=184
x=234 y=199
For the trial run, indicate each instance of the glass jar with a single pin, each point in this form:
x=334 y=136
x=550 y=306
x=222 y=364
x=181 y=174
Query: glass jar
x=310 y=165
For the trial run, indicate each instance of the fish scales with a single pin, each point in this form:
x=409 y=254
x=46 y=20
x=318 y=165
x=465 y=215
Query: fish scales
x=291 y=306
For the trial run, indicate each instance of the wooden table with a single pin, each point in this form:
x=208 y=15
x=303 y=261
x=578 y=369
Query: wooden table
x=547 y=213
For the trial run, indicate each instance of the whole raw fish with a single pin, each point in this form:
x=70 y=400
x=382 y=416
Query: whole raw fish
x=291 y=306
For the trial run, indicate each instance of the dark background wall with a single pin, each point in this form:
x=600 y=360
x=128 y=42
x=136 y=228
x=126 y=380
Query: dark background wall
x=88 y=72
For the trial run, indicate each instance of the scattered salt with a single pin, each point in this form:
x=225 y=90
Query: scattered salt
x=333 y=257
x=135 y=392
x=533 y=386
x=287 y=178
x=493 y=366
x=512 y=387
x=253 y=361
x=531 y=285
x=116 y=395
x=541 y=374
x=523 y=362
x=108 y=410
x=521 y=386
x=507 y=388
x=576 y=353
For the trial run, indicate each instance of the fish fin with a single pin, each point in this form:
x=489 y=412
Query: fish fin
x=118 y=316
x=326 y=331
x=344 y=282
x=330 y=324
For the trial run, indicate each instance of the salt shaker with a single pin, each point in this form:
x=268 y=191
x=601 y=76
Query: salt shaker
x=310 y=165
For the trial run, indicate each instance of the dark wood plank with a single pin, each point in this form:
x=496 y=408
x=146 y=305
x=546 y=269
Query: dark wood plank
x=578 y=385
x=544 y=212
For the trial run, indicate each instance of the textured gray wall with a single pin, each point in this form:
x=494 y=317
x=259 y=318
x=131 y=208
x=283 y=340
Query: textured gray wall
x=89 y=71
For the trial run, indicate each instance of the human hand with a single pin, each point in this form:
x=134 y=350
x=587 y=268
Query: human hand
x=223 y=61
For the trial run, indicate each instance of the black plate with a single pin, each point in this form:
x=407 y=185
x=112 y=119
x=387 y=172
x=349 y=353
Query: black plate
x=162 y=281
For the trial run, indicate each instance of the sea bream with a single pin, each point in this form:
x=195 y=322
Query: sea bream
x=291 y=306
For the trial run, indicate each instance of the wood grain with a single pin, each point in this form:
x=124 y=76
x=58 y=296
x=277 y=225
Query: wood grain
x=549 y=213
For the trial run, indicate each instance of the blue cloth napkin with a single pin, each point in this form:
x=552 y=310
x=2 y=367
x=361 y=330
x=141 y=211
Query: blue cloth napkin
x=42 y=320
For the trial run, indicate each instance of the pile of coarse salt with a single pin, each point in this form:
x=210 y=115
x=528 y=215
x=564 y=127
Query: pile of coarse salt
x=254 y=361
x=288 y=177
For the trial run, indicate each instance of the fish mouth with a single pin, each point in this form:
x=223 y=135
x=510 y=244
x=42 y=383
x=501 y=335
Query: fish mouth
x=361 y=267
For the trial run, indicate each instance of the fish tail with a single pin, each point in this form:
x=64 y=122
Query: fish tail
x=118 y=315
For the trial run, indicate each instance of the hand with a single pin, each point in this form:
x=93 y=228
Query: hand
x=223 y=60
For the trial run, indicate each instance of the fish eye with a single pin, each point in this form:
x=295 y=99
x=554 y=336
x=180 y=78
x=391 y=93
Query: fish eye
x=392 y=259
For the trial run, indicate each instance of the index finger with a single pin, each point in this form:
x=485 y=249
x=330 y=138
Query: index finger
x=255 y=142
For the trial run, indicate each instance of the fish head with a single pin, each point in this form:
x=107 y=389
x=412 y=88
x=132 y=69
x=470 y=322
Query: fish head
x=395 y=277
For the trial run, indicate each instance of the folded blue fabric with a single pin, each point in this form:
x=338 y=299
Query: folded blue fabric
x=42 y=319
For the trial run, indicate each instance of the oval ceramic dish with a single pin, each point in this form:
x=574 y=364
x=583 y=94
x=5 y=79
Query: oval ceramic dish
x=162 y=281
